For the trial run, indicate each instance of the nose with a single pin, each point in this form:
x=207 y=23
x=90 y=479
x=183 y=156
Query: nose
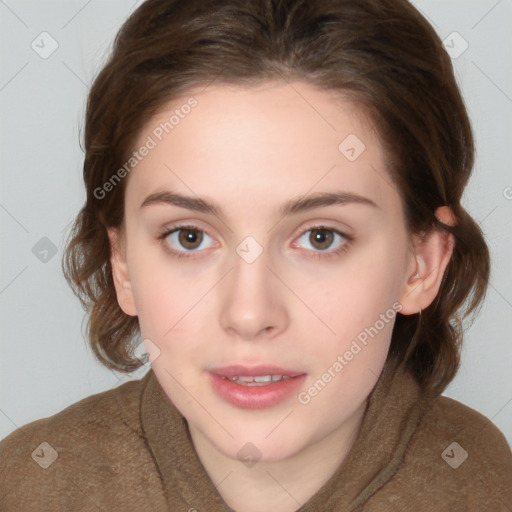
x=253 y=301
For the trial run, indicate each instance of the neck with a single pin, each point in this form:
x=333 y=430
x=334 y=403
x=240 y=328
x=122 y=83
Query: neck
x=283 y=485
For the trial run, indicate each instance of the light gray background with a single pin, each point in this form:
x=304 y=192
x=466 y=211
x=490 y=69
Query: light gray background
x=45 y=363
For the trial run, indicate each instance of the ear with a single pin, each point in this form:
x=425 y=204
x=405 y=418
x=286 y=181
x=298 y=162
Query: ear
x=429 y=258
x=120 y=272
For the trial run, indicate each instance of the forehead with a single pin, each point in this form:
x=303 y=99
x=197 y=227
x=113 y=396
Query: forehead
x=241 y=144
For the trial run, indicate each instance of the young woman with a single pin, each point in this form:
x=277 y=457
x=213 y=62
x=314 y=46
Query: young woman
x=274 y=213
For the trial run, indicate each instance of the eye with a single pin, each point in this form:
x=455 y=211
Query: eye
x=321 y=238
x=187 y=241
x=184 y=239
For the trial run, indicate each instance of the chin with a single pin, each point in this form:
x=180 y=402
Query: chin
x=260 y=446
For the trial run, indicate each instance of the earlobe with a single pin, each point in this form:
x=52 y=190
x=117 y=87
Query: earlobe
x=120 y=273
x=431 y=253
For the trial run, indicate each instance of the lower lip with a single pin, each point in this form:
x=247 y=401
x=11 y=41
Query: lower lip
x=255 y=397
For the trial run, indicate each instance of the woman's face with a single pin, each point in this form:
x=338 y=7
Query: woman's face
x=293 y=262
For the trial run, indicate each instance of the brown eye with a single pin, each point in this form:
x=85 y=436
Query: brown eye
x=321 y=238
x=183 y=240
x=190 y=238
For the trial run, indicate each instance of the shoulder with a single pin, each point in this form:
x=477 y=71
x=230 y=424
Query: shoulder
x=447 y=419
x=97 y=414
x=463 y=454
x=88 y=438
x=456 y=459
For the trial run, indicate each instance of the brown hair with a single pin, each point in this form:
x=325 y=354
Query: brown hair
x=380 y=53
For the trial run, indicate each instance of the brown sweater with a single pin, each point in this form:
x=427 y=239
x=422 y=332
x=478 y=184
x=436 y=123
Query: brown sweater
x=128 y=449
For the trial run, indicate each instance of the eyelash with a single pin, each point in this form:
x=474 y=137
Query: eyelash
x=316 y=254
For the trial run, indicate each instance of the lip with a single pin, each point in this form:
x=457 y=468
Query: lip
x=253 y=371
x=254 y=397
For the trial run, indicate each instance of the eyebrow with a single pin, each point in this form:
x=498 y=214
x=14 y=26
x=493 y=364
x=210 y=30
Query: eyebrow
x=292 y=206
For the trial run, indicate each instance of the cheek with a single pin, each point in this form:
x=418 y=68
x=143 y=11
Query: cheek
x=356 y=292
x=164 y=293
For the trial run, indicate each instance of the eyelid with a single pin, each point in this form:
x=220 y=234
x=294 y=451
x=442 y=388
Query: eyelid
x=172 y=227
x=324 y=225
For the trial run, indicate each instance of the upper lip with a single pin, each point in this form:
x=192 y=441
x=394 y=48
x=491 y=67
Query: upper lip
x=254 y=371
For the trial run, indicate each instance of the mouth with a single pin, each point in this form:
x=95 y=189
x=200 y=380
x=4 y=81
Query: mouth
x=256 y=387
x=259 y=380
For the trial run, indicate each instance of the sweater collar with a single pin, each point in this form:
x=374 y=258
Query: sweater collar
x=394 y=408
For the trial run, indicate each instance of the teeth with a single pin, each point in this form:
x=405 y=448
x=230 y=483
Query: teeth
x=264 y=378
x=259 y=380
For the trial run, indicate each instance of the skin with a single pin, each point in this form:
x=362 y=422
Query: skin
x=249 y=150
